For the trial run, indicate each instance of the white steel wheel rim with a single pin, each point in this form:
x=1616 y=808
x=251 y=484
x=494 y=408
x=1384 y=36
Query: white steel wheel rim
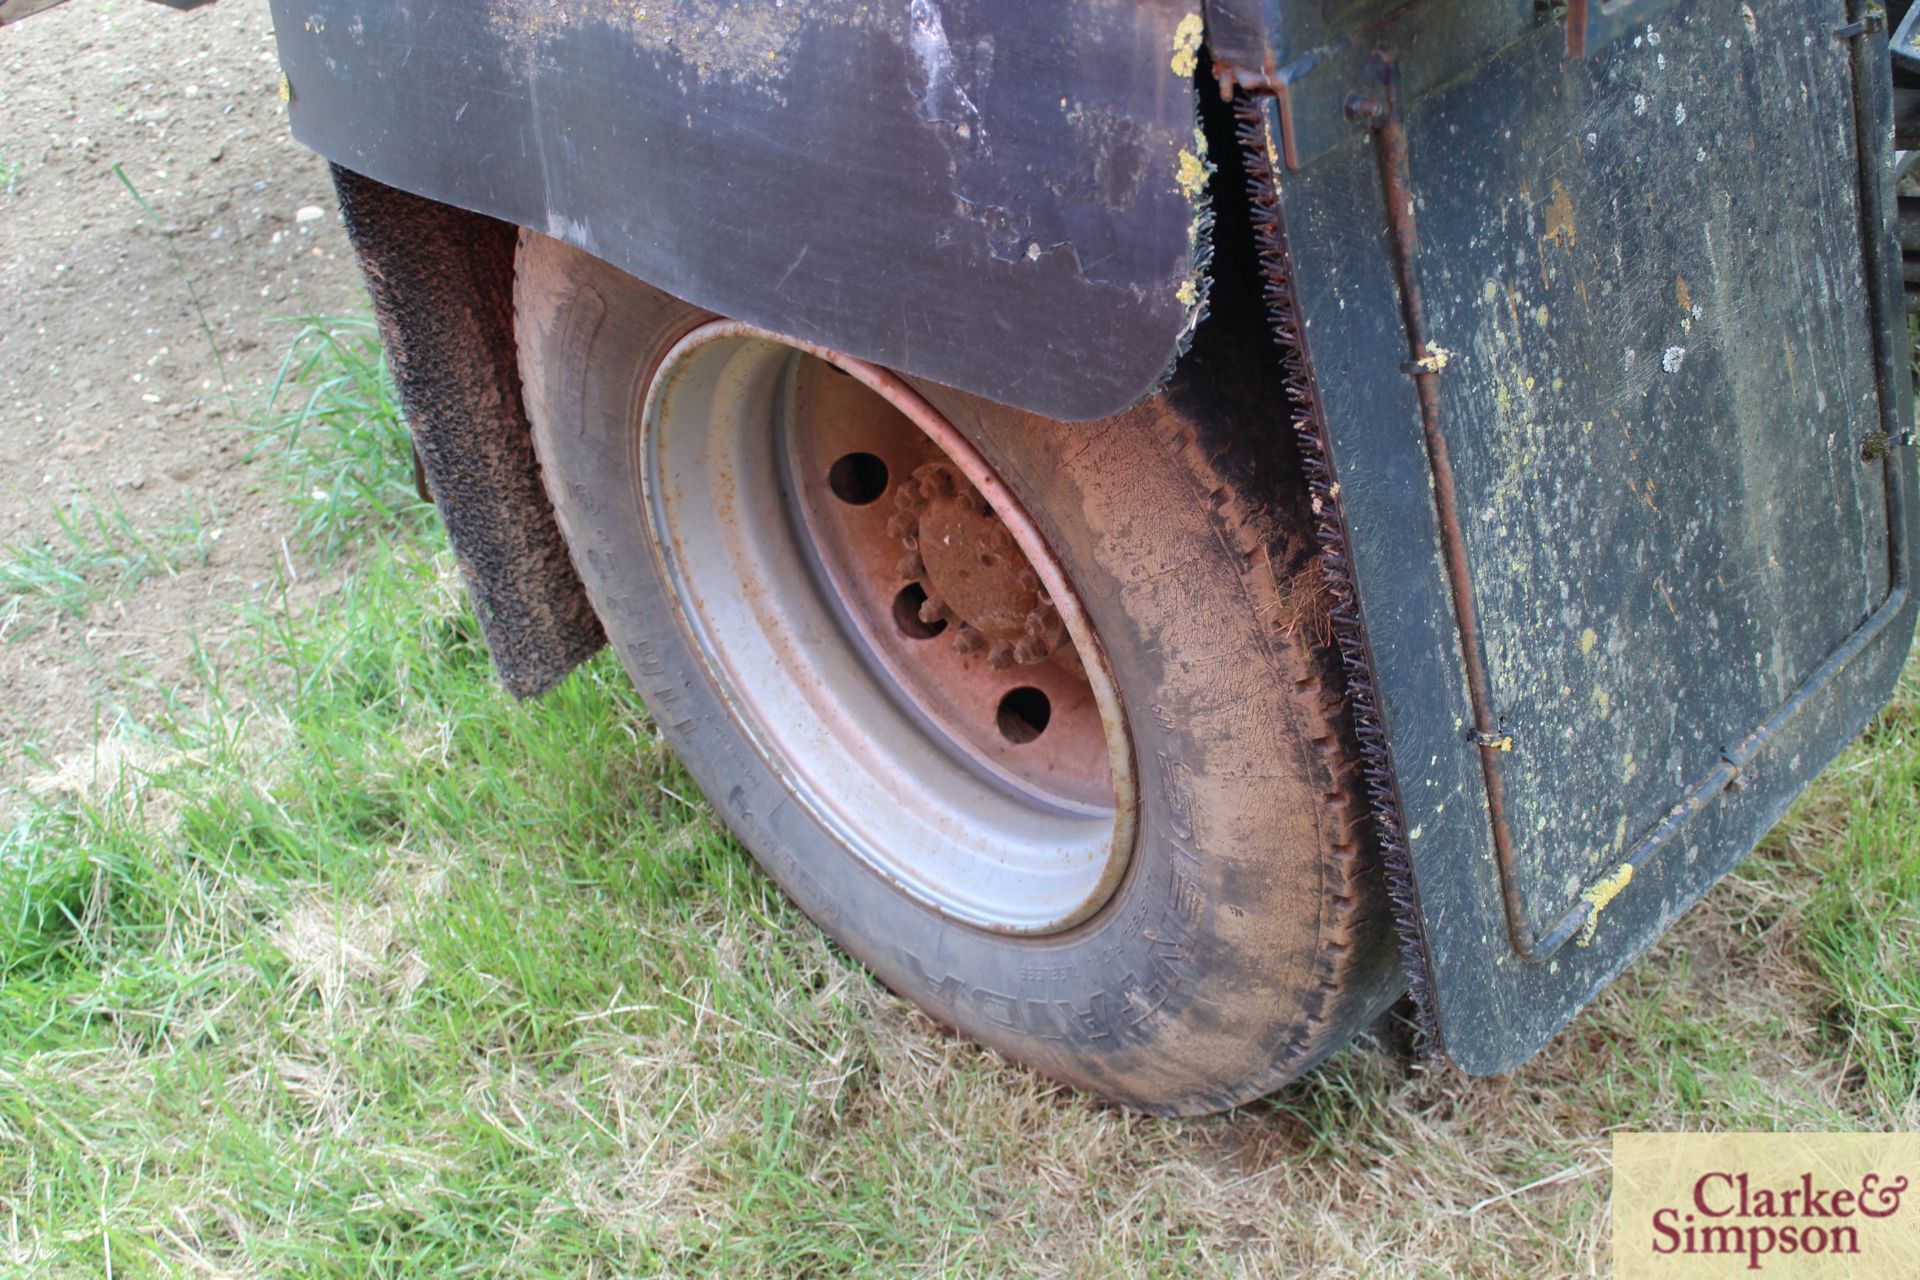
x=826 y=699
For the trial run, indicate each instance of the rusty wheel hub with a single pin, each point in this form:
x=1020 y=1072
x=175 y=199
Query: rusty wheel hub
x=973 y=572
x=891 y=628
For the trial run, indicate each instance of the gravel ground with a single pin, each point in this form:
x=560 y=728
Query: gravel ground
x=110 y=390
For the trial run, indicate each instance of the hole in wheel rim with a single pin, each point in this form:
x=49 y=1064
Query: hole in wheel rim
x=907 y=604
x=1023 y=715
x=858 y=478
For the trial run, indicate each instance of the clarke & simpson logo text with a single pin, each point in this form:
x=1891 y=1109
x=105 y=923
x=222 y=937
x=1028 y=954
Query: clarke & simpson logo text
x=1785 y=1206
x=1729 y=1214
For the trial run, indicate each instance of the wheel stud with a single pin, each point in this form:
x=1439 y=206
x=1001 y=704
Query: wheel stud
x=933 y=610
x=1031 y=649
x=967 y=641
x=935 y=482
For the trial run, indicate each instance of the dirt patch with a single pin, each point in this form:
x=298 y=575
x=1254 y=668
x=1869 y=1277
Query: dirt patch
x=110 y=391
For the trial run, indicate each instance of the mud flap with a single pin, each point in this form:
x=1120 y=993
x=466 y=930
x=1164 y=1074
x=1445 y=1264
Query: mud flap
x=1596 y=345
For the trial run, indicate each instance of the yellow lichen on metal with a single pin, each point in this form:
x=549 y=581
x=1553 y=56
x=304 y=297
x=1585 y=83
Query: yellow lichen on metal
x=1436 y=359
x=1191 y=174
x=1600 y=895
x=1186 y=45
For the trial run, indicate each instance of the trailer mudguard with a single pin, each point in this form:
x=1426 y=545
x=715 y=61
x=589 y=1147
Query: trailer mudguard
x=1597 y=325
x=1002 y=196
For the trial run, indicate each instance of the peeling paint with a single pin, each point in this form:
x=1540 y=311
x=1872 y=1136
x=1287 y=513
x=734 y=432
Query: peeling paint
x=1597 y=898
x=1560 y=223
x=944 y=99
x=716 y=38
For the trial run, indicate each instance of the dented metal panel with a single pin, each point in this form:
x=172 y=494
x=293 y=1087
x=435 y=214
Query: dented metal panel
x=1004 y=197
x=1604 y=354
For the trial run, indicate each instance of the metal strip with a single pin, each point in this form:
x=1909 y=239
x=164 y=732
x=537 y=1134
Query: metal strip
x=1382 y=112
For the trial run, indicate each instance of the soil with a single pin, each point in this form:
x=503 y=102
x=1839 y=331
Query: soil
x=110 y=392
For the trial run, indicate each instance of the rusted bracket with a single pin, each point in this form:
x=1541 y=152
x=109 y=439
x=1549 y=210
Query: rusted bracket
x=1872 y=22
x=1264 y=82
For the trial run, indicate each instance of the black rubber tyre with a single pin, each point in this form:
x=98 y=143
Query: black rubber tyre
x=1251 y=935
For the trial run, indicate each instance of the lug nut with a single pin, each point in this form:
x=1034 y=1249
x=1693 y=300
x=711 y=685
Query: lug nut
x=932 y=610
x=1000 y=657
x=1030 y=650
x=967 y=641
x=911 y=565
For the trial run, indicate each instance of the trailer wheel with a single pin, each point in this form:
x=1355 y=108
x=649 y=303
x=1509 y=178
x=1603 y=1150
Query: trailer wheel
x=1014 y=709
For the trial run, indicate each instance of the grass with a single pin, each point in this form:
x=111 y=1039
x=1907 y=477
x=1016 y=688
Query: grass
x=367 y=970
x=342 y=443
x=99 y=555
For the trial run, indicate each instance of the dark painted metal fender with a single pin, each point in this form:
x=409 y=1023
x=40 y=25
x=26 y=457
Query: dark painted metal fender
x=1599 y=341
x=1002 y=196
